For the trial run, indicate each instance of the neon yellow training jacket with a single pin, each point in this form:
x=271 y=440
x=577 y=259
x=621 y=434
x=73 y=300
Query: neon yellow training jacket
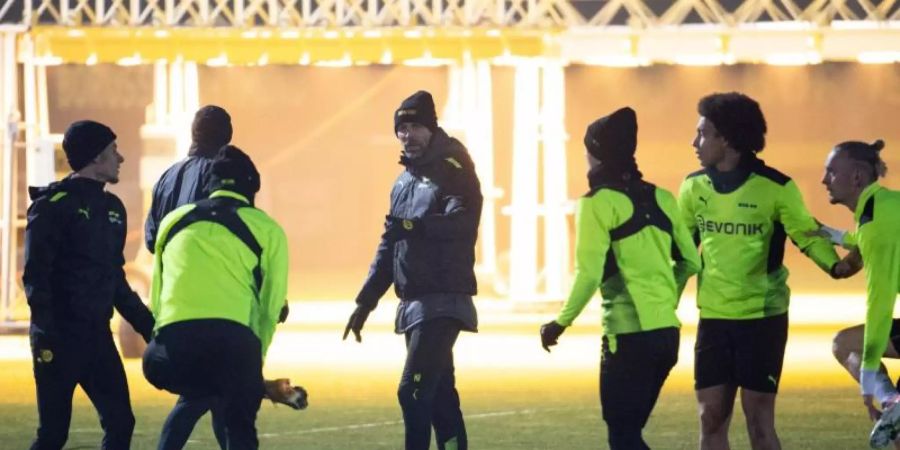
x=209 y=272
x=878 y=234
x=741 y=227
x=640 y=276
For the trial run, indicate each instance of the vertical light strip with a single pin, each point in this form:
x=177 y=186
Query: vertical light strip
x=8 y=100
x=191 y=92
x=553 y=134
x=484 y=121
x=160 y=93
x=523 y=208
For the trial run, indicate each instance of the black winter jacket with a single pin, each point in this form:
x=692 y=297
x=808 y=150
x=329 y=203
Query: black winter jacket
x=182 y=183
x=442 y=190
x=74 y=267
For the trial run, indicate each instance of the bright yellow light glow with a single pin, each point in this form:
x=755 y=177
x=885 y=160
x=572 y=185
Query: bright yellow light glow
x=793 y=59
x=704 y=60
x=616 y=61
x=879 y=57
x=218 y=61
x=133 y=60
x=246 y=46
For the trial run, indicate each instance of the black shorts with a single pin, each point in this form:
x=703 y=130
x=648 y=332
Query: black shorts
x=746 y=353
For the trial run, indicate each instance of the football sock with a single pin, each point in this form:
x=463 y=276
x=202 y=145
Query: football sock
x=884 y=388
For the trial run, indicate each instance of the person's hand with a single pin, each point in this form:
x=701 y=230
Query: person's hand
x=281 y=391
x=356 y=322
x=848 y=266
x=285 y=311
x=550 y=333
x=874 y=413
x=397 y=229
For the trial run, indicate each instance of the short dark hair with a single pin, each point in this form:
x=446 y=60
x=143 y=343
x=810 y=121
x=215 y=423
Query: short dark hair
x=737 y=118
x=867 y=154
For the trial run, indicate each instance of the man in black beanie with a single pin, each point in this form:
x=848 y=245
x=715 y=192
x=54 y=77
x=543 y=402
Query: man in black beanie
x=427 y=252
x=629 y=233
x=219 y=283
x=73 y=279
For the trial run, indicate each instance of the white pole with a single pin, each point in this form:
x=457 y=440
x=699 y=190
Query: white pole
x=523 y=208
x=553 y=137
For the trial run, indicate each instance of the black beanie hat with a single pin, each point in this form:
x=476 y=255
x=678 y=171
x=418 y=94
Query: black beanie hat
x=212 y=126
x=233 y=170
x=84 y=140
x=613 y=138
x=417 y=108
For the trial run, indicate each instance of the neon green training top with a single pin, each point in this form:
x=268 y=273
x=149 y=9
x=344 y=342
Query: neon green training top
x=878 y=234
x=641 y=272
x=741 y=224
x=209 y=272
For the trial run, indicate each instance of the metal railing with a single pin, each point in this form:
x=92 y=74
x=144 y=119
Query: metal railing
x=390 y=13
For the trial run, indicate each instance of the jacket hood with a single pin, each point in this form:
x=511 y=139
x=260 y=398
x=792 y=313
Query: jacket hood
x=69 y=183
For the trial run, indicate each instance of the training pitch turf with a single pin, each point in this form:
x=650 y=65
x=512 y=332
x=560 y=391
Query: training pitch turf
x=514 y=396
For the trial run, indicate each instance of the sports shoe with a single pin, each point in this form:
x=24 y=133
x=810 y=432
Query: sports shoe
x=887 y=428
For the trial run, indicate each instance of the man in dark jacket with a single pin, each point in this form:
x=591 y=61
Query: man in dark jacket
x=428 y=252
x=73 y=278
x=182 y=183
x=185 y=181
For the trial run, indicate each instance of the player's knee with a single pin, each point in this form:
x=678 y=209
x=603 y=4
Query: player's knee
x=843 y=343
x=712 y=419
x=121 y=424
x=759 y=429
x=407 y=395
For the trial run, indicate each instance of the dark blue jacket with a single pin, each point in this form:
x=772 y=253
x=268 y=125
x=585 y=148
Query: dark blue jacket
x=442 y=189
x=74 y=267
x=182 y=183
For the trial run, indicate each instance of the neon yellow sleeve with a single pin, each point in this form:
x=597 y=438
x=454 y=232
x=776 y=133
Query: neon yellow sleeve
x=798 y=222
x=591 y=244
x=274 y=288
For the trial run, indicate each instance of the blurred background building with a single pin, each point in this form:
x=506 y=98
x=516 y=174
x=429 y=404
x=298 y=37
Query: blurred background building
x=312 y=86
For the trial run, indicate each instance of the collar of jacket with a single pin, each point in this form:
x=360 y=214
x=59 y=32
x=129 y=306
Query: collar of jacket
x=725 y=182
x=604 y=175
x=227 y=193
x=864 y=197
x=203 y=150
x=77 y=185
x=438 y=147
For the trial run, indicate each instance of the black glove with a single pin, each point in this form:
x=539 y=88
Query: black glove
x=285 y=311
x=356 y=322
x=397 y=229
x=550 y=332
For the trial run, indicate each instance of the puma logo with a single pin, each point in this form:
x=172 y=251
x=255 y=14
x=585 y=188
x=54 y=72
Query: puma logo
x=86 y=212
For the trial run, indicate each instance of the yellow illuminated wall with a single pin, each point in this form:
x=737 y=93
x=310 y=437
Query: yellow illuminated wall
x=322 y=138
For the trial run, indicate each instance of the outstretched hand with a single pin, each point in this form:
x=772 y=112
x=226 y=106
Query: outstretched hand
x=550 y=333
x=356 y=322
